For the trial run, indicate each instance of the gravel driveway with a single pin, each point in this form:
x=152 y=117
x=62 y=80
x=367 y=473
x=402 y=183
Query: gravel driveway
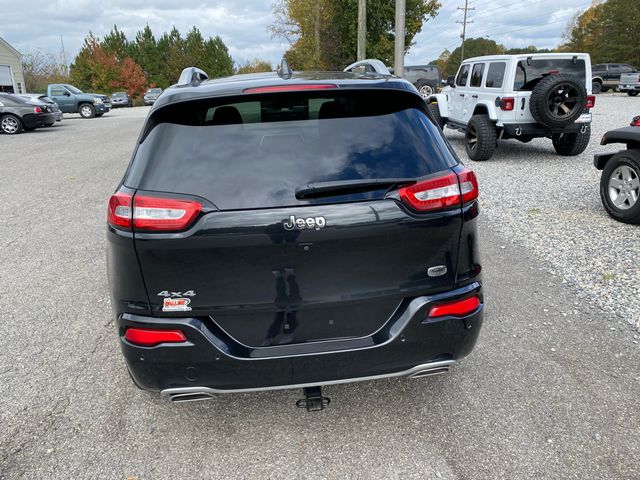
x=551 y=206
x=550 y=391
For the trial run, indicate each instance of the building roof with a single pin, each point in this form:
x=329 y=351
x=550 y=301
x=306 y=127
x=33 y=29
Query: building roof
x=6 y=44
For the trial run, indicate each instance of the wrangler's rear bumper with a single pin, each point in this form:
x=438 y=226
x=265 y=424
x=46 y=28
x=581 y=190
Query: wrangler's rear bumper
x=211 y=359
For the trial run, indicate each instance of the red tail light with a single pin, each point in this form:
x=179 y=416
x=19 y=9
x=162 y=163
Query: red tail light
x=459 y=308
x=591 y=101
x=635 y=122
x=119 y=212
x=151 y=213
x=507 y=103
x=289 y=88
x=37 y=110
x=147 y=337
x=450 y=190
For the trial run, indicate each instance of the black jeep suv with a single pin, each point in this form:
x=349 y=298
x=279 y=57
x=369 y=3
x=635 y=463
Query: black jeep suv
x=285 y=231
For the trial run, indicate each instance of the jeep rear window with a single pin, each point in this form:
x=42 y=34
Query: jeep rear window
x=253 y=151
x=495 y=74
x=528 y=74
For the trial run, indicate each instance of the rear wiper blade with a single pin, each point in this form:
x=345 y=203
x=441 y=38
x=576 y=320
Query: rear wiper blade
x=338 y=187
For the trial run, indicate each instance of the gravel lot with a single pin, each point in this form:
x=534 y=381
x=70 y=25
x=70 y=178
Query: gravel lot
x=551 y=390
x=551 y=206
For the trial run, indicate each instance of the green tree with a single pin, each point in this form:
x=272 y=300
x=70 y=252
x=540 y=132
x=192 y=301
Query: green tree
x=254 y=66
x=323 y=33
x=115 y=43
x=473 y=47
x=607 y=31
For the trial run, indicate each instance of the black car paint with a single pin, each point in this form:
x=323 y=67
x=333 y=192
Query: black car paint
x=367 y=267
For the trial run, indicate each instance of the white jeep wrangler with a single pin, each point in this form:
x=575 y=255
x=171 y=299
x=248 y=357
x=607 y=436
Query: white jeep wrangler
x=519 y=96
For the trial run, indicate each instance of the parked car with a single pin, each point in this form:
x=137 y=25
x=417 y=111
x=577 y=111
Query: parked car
x=121 y=99
x=39 y=97
x=152 y=95
x=426 y=78
x=18 y=114
x=293 y=230
x=606 y=76
x=369 y=65
x=73 y=100
x=519 y=96
x=630 y=83
x=620 y=179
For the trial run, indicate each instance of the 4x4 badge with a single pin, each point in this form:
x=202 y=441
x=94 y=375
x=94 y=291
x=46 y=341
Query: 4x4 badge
x=167 y=294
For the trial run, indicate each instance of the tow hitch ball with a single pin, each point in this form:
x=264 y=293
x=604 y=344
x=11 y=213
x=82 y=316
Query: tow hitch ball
x=313 y=400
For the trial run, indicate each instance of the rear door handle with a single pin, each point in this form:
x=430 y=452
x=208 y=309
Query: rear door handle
x=462 y=94
x=474 y=96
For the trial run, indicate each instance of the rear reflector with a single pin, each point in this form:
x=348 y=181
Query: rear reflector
x=151 y=213
x=450 y=190
x=591 y=101
x=289 y=88
x=459 y=308
x=147 y=337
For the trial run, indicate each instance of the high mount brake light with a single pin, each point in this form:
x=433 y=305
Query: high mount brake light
x=151 y=213
x=147 y=337
x=289 y=88
x=447 y=191
x=459 y=308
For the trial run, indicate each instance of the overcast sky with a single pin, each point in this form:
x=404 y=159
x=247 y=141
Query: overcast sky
x=242 y=24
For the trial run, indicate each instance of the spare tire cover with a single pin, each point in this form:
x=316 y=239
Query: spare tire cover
x=558 y=100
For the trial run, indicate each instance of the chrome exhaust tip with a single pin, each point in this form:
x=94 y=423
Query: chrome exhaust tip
x=429 y=372
x=191 y=396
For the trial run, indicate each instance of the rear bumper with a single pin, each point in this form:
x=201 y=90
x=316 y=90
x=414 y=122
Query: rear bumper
x=629 y=88
x=211 y=360
x=513 y=130
x=33 y=120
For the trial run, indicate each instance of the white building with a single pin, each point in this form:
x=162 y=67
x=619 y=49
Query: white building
x=11 y=74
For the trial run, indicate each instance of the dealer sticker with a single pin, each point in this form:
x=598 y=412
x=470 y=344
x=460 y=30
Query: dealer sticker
x=176 y=305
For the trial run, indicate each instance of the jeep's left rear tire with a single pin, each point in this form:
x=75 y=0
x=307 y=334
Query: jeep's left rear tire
x=571 y=144
x=480 y=138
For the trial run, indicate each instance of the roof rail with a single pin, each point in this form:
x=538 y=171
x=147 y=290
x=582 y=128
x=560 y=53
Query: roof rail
x=192 y=75
x=376 y=65
x=284 y=70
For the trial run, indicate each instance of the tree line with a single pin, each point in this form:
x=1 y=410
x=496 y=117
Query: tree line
x=322 y=34
x=115 y=63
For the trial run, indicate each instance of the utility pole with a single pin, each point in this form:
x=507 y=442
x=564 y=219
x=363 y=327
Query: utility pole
x=362 y=30
x=317 y=36
x=64 y=58
x=398 y=67
x=464 y=25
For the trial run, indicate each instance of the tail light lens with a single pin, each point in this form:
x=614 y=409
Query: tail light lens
x=507 y=103
x=151 y=213
x=119 y=211
x=591 y=101
x=37 y=110
x=147 y=337
x=635 y=122
x=459 y=308
x=450 y=190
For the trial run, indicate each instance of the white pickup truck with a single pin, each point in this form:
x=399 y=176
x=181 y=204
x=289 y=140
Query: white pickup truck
x=520 y=97
x=630 y=83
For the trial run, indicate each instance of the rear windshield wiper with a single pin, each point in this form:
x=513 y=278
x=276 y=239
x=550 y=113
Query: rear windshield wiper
x=339 y=187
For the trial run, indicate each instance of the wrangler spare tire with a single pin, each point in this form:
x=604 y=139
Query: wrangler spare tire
x=558 y=100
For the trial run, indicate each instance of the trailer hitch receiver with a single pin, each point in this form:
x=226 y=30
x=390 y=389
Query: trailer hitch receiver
x=313 y=400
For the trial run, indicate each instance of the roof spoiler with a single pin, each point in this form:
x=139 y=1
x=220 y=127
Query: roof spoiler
x=191 y=76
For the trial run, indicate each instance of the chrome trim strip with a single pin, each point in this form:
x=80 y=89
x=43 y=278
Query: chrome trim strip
x=168 y=392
